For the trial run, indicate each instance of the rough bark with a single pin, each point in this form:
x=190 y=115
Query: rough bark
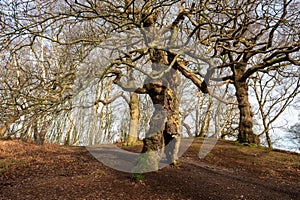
x=246 y=134
x=172 y=133
x=164 y=132
x=154 y=137
x=165 y=123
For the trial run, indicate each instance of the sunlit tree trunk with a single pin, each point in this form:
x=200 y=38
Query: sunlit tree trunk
x=134 y=119
x=5 y=127
x=39 y=130
x=198 y=121
x=172 y=132
x=246 y=134
x=205 y=123
x=164 y=128
x=165 y=123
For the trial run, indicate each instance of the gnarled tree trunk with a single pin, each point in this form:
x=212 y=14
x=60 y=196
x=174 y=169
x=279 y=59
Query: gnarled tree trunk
x=164 y=132
x=246 y=134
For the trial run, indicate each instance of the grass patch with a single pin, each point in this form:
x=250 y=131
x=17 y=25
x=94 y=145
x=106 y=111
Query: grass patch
x=246 y=144
x=138 y=177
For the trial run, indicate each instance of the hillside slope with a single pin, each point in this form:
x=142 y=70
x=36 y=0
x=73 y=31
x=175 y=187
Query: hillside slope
x=228 y=172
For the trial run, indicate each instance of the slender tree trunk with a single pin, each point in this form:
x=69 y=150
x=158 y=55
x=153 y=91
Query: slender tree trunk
x=188 y=129
x=197 y=123
x=269 y=141
x=134 y=119
x=266 y=129
x=206 y=120
x=198 y=106
x=246 y=134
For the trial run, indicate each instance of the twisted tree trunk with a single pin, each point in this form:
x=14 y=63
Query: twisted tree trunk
x=246 y=134
x=164 y=132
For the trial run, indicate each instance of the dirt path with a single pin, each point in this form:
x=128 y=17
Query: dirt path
x=228 y=172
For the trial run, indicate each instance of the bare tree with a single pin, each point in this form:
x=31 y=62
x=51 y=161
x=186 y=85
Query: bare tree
x=275 y=92
x=161 y=40
x=245 y=37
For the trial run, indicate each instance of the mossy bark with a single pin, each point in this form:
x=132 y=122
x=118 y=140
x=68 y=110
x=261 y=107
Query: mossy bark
x=164 y=133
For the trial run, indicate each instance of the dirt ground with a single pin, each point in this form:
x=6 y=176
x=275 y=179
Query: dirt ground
x=229 y=171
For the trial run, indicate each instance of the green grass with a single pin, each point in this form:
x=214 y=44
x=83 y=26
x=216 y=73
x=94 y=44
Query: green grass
x=138 y=177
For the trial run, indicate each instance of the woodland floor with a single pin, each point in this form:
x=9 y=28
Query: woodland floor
x=229 y=171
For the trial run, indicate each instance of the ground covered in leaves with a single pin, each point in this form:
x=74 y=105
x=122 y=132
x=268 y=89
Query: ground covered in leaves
x=229 y=171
